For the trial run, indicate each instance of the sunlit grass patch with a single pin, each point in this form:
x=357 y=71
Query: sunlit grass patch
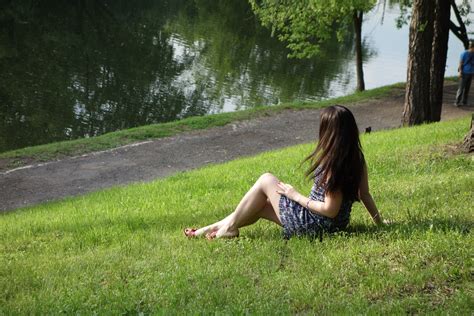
x=122 y=250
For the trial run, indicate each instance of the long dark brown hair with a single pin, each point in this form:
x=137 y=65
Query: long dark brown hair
x=338 y=153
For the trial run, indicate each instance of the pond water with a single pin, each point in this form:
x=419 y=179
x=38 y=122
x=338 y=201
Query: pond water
x=72 y=69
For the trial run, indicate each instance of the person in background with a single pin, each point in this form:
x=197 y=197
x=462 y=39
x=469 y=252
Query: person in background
x=466 y=71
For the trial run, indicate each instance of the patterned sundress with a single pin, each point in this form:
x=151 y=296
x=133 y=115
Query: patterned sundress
x=297 y=220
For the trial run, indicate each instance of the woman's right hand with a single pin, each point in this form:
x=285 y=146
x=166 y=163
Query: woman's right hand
x=288 y=191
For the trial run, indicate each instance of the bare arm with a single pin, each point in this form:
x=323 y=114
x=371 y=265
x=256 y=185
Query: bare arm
x=329 y=208
x=367 y=200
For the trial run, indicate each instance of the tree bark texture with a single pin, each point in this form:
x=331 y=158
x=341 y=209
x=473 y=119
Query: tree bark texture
x=468 y=142
x=439 y=54
x=357 y=18
x=417 y=96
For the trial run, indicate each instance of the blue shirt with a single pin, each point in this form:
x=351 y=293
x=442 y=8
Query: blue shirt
x=467 y=59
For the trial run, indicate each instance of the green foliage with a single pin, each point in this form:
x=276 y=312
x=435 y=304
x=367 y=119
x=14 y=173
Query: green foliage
x=121 y=251
x=465 y=8
x=304 y=25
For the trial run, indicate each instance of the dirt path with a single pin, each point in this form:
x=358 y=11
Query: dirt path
x=160 y=158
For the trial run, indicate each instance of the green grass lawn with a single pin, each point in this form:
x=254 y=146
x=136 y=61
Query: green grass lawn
x=122 y=250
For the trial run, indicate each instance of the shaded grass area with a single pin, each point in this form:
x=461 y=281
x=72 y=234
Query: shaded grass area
x=121 y=250
x=59 y=150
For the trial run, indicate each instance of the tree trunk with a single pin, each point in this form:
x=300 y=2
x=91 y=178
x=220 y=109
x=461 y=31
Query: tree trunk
x=417 y=96
x=468 y=142
x=357 y=18
x=438 y=57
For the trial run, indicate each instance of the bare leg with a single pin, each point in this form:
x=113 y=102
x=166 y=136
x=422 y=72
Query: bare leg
x=261 y=201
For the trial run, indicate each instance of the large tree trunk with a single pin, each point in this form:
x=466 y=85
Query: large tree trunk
x=417 y=96
x=357 y=18
x=438 y=57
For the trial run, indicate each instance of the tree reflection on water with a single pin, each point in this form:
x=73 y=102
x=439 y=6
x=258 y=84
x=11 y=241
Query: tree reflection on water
x=72 y=69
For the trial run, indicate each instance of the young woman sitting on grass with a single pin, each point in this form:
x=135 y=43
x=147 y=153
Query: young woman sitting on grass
x=339 y=171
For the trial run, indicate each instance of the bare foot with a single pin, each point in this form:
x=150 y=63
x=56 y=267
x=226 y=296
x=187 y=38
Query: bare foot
x=206 y=230
x=223 y=233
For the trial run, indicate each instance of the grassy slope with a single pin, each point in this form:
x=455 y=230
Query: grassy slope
x=122 y=249
x=115 y=139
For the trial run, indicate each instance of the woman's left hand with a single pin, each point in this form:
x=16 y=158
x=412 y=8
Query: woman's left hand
x=288 y=191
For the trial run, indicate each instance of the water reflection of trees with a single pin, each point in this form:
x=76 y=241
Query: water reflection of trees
x=241 y=60
x=83 y=68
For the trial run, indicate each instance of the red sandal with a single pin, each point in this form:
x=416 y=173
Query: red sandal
x=190 y=232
